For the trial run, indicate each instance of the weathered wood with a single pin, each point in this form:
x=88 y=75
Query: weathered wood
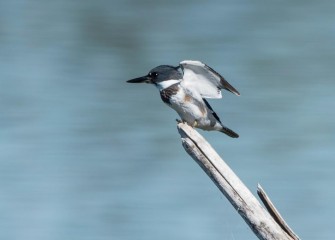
x=274 y=212
x=258 y=219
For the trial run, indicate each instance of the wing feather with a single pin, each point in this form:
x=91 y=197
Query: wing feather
x=204 y=79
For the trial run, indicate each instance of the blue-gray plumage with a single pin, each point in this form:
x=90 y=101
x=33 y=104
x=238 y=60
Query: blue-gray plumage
x=185 y=87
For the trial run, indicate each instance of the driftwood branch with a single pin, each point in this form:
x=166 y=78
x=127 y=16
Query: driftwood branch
x=274 y=212
x=259 y=220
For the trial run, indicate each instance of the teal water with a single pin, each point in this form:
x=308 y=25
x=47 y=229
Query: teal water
x=83 y=155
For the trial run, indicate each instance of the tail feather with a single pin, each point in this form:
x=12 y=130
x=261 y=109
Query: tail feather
x=229 y=132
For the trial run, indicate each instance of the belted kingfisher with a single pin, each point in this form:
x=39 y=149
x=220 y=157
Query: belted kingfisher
x=185 y=87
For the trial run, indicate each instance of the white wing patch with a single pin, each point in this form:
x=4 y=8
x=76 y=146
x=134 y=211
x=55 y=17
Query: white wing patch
x=203 y=79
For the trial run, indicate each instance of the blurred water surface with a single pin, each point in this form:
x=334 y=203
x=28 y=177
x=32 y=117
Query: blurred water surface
x=83 y=155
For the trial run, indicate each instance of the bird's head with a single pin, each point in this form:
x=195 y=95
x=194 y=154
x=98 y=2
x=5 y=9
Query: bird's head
x=158 y=75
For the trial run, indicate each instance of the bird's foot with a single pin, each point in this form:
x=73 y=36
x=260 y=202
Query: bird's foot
x=195 y=124
x=181 y=121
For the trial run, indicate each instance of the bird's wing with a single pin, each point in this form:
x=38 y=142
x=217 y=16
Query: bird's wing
x=205 y=80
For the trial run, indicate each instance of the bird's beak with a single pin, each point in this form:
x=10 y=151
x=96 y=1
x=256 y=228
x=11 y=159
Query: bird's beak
x=144 y=79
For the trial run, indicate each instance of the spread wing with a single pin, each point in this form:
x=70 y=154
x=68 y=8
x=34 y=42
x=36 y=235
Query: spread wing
x=205 y=80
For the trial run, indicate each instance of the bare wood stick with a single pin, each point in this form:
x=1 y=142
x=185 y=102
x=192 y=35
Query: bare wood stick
x=258 y=219
x=274 y=212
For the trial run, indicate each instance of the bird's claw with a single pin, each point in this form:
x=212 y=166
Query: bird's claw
x=195 y=124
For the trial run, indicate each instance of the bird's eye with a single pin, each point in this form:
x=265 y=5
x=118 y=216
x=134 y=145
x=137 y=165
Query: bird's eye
x=153 y=74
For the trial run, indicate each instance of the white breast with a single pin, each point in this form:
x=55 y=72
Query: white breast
x=183 y=104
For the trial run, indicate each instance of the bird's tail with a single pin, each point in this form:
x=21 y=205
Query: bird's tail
x=229 y=132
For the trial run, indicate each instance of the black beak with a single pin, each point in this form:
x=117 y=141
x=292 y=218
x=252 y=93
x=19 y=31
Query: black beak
x=144 y=79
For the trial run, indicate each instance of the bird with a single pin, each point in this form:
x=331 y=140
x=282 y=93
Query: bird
x=185 y=89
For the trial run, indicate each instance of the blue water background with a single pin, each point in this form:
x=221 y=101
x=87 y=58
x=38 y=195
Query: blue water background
x=83 y=155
